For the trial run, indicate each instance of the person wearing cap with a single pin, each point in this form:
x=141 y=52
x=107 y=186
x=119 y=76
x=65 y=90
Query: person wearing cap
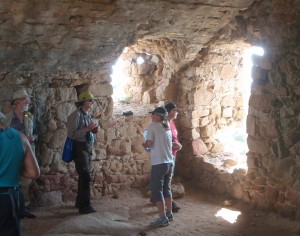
x=20 y=118
x=17 y=155
x=23 y=121
x=81 y=129
x=172 y=115
x=159 y=140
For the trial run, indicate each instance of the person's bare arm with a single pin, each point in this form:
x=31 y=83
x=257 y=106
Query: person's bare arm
x=31 y=169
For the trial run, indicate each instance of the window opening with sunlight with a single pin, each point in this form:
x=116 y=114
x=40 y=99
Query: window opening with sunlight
x=120 y=78
x=234 y=137
x=129 y=81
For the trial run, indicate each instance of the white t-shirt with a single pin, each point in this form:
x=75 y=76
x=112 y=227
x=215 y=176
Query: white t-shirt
x=161 y=149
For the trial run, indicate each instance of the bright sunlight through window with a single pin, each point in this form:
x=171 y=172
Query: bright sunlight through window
x=140 y=60
x=119 y=79
x=228 y=215
x=234 y=138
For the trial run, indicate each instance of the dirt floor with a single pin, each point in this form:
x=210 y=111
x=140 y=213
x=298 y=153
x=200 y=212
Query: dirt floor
x=130 y=212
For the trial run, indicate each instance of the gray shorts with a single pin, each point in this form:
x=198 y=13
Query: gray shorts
x=161 y=176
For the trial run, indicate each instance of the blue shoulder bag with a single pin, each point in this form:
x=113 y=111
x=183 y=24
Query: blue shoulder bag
x=67 y=155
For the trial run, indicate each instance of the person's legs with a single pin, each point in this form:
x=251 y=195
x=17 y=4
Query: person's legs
x=167 y=189
x=161 y=208
x=25 y=211
x=82 y=158
x=157 y=181
x=9 y=226
x=175 y=207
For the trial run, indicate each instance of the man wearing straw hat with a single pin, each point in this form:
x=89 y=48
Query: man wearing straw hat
x=20 y=118
x=23 y=121
x=81 y=130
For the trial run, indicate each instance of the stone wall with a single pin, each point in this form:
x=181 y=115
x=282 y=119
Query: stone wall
x=272 y=179
x=55 y=49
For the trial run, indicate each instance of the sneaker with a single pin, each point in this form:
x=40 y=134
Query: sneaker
x=159 y=222
x=169 y=216
x=86 y=210
x=175 y=207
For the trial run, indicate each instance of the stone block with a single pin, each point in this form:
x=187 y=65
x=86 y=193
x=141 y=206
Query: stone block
x=227 y=72
x=261 y=102
x=66 y=94
x=203 y=98
x=178 y=190
x=238 y=191
x=257 y=145
x=293 y=197
x=227 y=112
x=102 y=90
x=195 y=134
x=250 y=124
x=199 y=147
x=219 y=187
x=146 y=167
x=217 y=147
x=269 y=129
x=49 y=198
x=200 y=113
x=63 y=110
x=136 y=146
x=141 y=181
x=116 y=166
x=225 y=177
x=119 y=147
x=228 y=101
x=207 y=131
x=58 y=138
x=203 y=121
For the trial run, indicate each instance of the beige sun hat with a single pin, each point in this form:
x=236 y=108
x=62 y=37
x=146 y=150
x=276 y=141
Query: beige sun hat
x=19 y=94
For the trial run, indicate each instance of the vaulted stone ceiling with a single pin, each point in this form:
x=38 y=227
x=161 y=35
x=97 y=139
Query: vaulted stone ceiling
x=90 y=34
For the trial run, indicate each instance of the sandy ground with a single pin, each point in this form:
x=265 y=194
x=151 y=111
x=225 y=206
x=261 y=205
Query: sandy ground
x=133 y=209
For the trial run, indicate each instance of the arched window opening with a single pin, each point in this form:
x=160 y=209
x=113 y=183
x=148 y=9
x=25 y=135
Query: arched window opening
x=133 y=80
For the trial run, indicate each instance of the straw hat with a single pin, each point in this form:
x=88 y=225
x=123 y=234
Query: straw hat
x=85 y=96
x=19 y=94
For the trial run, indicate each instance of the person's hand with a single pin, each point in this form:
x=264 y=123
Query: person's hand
x=91 y=126
x=31 y=138
x=95 y=130
x=177 y=146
